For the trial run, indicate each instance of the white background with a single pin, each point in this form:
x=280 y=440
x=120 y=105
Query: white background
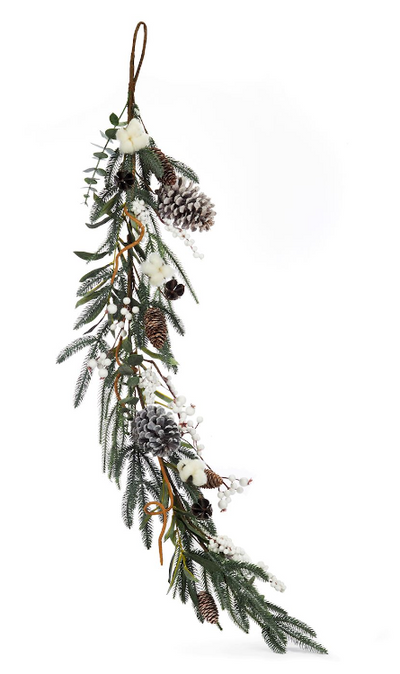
x=289 y=111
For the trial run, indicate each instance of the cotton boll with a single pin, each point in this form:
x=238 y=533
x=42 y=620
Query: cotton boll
x=148 y=267
x=156 y=279
x=155 y=259
x=122 y=135
x=167 y=270
x=185 y=473
x=126 y=146
x=134 y=128
x=199 y=478
x=141 y=141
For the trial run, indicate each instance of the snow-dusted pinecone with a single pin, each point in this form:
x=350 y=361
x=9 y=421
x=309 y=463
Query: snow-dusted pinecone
x=156 y=431
x=185 y=206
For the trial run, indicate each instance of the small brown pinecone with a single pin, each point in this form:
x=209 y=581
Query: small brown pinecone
x=169 y=175
x=208 y=607
x=213 y=480
x=155 y=327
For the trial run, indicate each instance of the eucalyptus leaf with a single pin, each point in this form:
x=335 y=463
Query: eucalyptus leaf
x=89 y=296
x=94 y=225
x=89 y=256
x=130 y=400
x=91 y=273
x=124 y=370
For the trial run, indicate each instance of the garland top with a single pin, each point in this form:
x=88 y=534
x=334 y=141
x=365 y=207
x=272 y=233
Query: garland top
x=148 y=431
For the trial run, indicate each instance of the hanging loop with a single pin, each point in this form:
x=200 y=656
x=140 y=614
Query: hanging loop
x=134 y=75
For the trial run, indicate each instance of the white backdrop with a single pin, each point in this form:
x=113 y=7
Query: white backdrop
x=290 y=113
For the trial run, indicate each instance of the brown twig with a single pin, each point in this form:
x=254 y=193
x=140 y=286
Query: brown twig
x=162 y=510
x=134 y=75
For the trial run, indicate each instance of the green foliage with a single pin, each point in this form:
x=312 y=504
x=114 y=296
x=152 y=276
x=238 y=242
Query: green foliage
x=93 y=308
x=76 y=346
x=150 y=164
x=98 y=345
x=184 y=170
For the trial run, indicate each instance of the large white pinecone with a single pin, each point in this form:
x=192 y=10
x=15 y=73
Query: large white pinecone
x=156 y=431
x=185 y=206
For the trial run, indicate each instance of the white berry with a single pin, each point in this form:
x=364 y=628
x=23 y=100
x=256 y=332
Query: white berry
x=103 y=372
x=126 y=300
x=112 y=309
x=244 y=481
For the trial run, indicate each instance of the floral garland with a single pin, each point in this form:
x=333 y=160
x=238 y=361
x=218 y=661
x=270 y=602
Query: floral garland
x=148 y=431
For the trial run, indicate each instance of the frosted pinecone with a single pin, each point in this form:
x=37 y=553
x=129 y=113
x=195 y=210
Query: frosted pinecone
x=185 y=206
x=156 y=431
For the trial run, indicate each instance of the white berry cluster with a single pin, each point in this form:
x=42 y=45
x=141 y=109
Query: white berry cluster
x=278 y=585
x=236 y=486
x=156 y=269
x=225 y=546
x=140 y=210
x=185 y=236
x=183 y=410
x=192 y=468
x=149 y=383
x=126 y=314
x=101 y=363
